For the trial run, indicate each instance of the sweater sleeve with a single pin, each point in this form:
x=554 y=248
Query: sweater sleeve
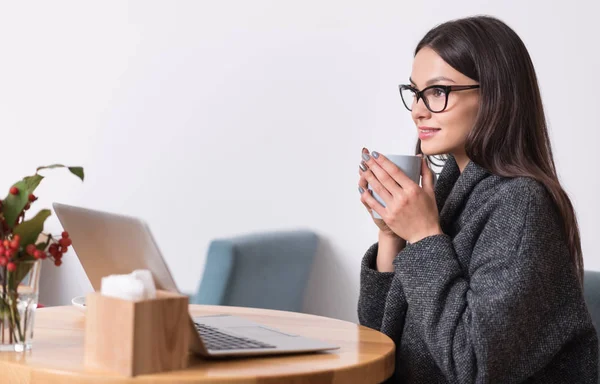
x=374 y=288
x=517 y=305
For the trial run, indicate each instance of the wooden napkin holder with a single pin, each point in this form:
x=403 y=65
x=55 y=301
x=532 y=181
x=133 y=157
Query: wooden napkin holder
x=137 y=337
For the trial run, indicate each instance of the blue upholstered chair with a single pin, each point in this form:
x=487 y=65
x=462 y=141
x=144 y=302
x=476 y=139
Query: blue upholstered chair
x=591 y=291
x=262 y=270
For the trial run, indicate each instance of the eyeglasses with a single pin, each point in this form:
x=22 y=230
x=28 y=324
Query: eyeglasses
x=434 y=97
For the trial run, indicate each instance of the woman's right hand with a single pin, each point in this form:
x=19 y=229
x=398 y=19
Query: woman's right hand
x=389 y=244
x=362 y=183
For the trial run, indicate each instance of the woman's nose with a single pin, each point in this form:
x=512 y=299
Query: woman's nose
x=419 y=110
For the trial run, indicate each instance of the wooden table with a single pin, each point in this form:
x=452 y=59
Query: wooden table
x=365 y=356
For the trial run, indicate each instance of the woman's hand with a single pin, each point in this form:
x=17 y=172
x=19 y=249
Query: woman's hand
x=362 y=183
x=411 y=211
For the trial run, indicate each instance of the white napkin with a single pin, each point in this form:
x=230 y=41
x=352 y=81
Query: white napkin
x=145 y=276
x=138 y=285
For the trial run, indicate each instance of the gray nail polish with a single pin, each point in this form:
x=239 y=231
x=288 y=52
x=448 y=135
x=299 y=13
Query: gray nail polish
x=363 y=166
x=366 y=156
x=361 y=190
x=375 y=154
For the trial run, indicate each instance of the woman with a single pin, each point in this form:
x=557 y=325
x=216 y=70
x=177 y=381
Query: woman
x=478 y=279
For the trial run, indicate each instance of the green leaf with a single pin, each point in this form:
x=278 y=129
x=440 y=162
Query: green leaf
x=17 y=276
x=30 y=230
x=77 y=171
x=44 y=244
x=26 y=257
x=13 y=205
x=49 y=167
x=31 y=182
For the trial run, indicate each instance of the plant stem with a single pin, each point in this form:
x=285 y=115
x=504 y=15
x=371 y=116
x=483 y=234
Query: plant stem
x=48 y=241
x=25 y=324
x=4 y=306
x=15 y=317
x=13 y=296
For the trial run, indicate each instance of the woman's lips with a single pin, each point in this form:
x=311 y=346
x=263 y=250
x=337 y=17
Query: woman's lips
x=427 y=132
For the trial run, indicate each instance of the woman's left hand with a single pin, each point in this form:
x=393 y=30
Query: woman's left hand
x=410 y=211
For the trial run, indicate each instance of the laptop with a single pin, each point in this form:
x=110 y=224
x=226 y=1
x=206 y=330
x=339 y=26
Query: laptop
x=108 y=243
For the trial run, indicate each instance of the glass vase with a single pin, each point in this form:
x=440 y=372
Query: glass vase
x=19 y=290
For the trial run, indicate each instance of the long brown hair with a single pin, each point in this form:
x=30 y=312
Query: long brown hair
x=510 y=136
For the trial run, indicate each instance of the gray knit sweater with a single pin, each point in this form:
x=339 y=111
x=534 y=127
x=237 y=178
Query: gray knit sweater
x=494 y=299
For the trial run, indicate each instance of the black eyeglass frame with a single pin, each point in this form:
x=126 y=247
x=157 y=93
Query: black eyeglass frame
x=447 y=89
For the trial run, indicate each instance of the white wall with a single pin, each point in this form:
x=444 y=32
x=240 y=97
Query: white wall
x=217 y=118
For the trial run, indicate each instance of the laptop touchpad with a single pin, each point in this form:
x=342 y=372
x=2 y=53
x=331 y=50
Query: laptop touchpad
x=257 y=332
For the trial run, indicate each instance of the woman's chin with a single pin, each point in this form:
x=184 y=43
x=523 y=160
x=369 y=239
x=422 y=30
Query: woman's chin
x=432 y=150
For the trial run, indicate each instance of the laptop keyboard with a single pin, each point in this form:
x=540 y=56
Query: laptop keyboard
x=219 y=341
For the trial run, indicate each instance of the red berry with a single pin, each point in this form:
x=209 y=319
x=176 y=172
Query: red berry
x=30 y=249
x=58 y=262
x=65 y=235
x=6 y=244
x=17 y=237
x=37 y=254
x=32 y=198
x=9 y=253
x=14 y=190
x=14 y=244
x=65 y=242
x=3 y=261
x=11 y=267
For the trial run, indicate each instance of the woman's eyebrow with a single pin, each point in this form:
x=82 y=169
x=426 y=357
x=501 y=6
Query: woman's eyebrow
x=433 y=81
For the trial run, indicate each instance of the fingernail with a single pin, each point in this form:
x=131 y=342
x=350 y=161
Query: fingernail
x=365 y=150
x=361 y=190
x=366 y=156
x=375 y=154
x=363 y=166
